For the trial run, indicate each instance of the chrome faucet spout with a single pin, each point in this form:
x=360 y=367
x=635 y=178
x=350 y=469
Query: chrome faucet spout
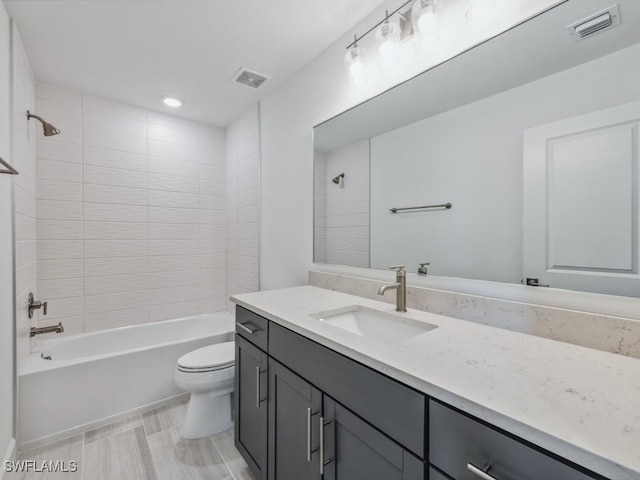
x=390 y=286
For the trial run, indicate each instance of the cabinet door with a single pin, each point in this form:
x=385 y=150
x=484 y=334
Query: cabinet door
x=251 y=406
x=294 y=410
x=353 y=450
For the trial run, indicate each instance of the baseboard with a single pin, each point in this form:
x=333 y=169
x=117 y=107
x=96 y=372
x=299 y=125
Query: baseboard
x=9 y=455
x=38 y=442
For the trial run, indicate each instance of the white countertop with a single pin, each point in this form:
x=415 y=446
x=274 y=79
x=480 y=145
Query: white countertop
x=579 y=403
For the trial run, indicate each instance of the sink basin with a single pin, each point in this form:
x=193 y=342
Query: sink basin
x=373 y=324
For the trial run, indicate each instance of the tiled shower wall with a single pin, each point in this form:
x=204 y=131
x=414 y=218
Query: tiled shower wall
x=243 y=204
x=131 y=214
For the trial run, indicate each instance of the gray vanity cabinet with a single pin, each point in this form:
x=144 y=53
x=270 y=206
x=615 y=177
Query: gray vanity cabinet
x=294 y=412
x=251 y=406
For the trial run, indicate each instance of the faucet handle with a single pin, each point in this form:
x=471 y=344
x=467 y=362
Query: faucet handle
x=398 y=268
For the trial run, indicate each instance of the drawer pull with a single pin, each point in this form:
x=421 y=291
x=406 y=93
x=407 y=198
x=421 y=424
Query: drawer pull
x=321 y=445
x=258 y=388
x=308 y=434
x=480 y=473
x=245 y=328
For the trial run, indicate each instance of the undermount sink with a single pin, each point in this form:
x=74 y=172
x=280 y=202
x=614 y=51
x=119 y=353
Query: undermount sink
x=374 y=324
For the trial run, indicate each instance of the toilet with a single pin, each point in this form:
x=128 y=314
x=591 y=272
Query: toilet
x=208 y=373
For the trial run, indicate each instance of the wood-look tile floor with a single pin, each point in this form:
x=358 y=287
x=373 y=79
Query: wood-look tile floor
x=147 y=446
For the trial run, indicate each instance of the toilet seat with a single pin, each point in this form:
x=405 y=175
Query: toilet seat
x=208 y=359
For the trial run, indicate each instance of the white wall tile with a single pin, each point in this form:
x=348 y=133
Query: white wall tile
x=115 y=248
x=65 y=307
x=60 y=288
x=173 y=247
x=26 y=252
x=169 y=166
x=58 y=151
x=68 y=118
x=163 y=198
x=159 y=231
x=54 y=269
x=173 y=215
x=159 y=296
x=118 y=142
x=173 y=151
x=174 y=279
x=115 y=301
x=64 y=171
x=172 y=130
x=158 y=181
x=26 y=278
x=212 y=202
x=59 y=230
x=25 y=202
x=101 y=212
x=57 y=249
x=56 y=210
x=25 y=227
x=55 y=190
x=115 y=159
x=209 y=305
x=114 y=176
x=110 y=194
x=171 y=263
x=59 y=95
x=249 y=214
x=211 y=140
x=115 y=231
x=215 y=217
x=248 y=197
x=115 y=284
x=114 y=266
x=211 y=172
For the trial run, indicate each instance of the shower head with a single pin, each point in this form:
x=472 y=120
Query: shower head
x=49 y=130
x=336 y=180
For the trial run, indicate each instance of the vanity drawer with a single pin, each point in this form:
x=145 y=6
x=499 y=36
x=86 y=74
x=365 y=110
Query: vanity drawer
x=457 y=441
x=253 y=327
x=393 y=408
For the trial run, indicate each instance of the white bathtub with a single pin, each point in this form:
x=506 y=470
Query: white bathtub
x=97 y=378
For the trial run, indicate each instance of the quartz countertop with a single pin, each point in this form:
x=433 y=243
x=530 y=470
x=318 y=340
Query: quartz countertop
x=579 y=403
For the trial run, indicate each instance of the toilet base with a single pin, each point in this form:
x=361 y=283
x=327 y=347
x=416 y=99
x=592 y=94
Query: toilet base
x=208 y=413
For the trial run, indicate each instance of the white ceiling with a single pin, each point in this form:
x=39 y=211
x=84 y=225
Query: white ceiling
x=137 y=51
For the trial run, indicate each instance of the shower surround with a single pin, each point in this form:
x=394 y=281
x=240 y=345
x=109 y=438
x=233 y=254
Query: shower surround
x=131 y=214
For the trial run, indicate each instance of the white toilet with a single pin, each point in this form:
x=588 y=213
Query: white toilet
x=208 y=373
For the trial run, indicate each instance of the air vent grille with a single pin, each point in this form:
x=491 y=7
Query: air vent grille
x=249 y=78
x=598 y=22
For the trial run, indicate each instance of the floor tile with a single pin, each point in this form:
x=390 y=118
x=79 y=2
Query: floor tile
x=165 y=417
x=112 y=429
x=224 y=442
x=67 y=450
x=125 y=456
x=177 y=458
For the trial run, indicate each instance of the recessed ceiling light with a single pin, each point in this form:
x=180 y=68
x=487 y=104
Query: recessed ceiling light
x=172 y=102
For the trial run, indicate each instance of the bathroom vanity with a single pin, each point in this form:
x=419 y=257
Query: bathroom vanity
x=429 y=398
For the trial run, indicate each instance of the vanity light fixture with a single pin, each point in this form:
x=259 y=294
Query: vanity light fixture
x=172 y=102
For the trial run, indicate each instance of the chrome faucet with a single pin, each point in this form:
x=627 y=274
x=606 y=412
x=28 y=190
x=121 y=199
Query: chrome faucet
x=35 y=305
x=400 y=287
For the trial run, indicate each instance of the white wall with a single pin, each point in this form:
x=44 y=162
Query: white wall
x=347 y=205
x=243 y=204
x=426 y=162
x=317 y=92
x=131 y=214
x=6 y=251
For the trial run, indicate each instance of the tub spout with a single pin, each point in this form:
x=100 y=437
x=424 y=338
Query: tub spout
x=40 y=330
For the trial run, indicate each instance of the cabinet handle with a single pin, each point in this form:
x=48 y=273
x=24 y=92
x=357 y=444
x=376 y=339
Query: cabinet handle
x=321 y=445
x=308 y=434
x=258 y=387
x=245 y=328
x=480 y=473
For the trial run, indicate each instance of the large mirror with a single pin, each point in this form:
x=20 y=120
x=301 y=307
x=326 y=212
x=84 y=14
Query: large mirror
x=515 y=160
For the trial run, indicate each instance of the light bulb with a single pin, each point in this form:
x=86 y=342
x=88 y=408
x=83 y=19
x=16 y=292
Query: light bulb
x=354 y=60
x=423 y=14
x=172 y=102
x=478 y=9
x=389 y=37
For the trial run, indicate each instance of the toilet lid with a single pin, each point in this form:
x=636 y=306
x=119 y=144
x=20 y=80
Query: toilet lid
x=213 y=357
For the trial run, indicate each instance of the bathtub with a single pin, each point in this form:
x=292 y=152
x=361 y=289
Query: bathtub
x=97 y=378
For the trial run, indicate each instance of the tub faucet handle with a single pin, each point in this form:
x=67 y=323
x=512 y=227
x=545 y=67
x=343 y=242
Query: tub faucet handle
x=35 y=305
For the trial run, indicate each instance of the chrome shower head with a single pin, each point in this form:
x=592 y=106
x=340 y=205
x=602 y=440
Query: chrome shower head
x=336 y=180
x=49 y=130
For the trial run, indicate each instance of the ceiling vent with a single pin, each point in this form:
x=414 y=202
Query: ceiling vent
x=597 y=22
x=249 y=78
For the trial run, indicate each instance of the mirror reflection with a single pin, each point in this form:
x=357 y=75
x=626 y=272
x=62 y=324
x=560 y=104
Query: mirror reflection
x=538 y=159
